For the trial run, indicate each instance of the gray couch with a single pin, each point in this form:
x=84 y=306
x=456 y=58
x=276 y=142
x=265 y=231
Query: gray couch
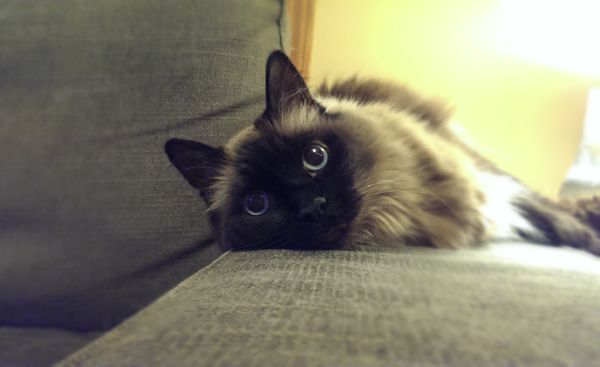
x=96 y=227
x=513 y=305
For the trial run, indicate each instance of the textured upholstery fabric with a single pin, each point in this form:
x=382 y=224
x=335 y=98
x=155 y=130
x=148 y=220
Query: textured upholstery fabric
x=32 y=347
x=508 y=305
x=94 y=221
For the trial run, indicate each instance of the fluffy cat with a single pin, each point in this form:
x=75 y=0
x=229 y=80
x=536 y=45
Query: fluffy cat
x=361 y=162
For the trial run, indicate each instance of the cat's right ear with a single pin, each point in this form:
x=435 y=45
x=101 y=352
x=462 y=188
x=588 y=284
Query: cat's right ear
x=198 y=163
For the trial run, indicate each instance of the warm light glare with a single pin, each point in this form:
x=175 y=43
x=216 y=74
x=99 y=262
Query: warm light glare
x=484 y=57
x=563 y=34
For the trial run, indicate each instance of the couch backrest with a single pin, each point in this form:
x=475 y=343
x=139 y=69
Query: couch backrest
x=94 y=221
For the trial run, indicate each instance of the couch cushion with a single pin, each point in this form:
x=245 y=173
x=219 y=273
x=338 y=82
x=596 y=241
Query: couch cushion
x=508 y=305
x=94 y=221
x=32 y=347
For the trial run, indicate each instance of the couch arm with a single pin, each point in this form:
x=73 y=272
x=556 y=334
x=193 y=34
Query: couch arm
x=368 y=308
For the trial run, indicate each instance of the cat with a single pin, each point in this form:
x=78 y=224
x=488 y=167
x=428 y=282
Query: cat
x=362 y=162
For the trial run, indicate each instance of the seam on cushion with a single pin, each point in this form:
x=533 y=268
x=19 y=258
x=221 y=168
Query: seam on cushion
x=180 y=286
x=282 y=6
x=83 y=354
x=212 y=263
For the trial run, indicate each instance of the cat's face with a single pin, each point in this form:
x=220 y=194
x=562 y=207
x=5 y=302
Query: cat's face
x=288 y=190
x=287 y=181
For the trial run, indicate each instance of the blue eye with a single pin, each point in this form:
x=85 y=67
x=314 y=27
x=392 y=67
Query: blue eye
x=257 y=203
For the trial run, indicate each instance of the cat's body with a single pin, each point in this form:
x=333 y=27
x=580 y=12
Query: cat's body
x=362 y=162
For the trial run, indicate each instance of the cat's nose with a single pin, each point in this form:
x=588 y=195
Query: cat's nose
x=313 y=209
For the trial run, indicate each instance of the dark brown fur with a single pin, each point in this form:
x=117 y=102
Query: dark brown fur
x=586 y=210
x=559 y=225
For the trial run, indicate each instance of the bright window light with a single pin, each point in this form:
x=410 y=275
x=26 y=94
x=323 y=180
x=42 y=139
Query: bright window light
x=563 y=34
x=587 y=166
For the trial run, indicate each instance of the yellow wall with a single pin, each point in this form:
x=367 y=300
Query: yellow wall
x=526 y=118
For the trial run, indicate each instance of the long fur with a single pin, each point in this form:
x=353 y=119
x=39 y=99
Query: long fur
x=400 y=175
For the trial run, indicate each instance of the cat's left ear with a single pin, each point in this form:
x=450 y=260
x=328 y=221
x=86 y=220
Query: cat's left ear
x=198 y=163
x=285 y=87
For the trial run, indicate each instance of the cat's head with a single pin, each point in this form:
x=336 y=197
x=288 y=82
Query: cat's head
x=287 y=181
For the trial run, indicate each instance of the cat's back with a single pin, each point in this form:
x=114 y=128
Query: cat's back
x=433 y=114
x=432 y=111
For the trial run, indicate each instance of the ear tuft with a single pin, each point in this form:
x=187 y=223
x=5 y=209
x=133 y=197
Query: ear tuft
x=198 y=163
x=284 y=86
